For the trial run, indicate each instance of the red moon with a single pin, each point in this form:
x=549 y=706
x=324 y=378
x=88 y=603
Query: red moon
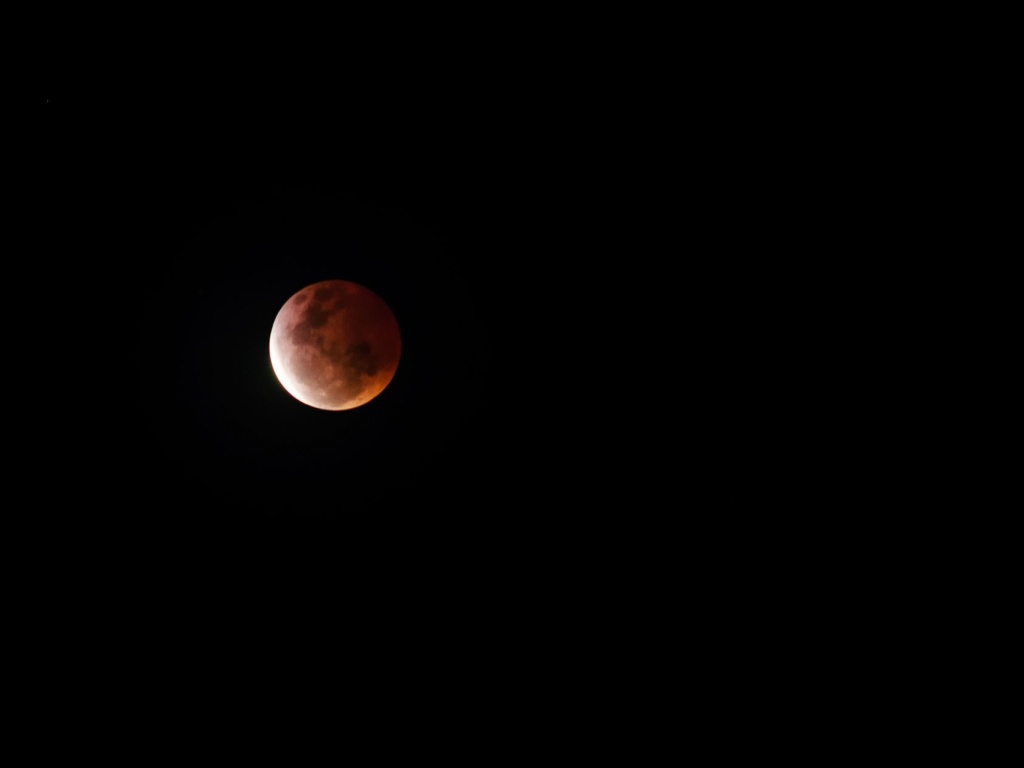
x=335 y=345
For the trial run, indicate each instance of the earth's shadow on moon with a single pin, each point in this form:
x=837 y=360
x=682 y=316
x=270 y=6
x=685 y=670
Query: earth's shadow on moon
x=335 y=345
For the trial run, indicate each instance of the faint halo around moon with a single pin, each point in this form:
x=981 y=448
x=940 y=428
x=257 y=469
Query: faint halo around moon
x=335 y=345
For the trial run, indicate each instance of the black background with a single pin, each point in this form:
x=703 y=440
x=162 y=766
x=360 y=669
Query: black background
x=165 y=232
x=561 y=466
x=595 y=446
x=169 y=494
x=547 y=231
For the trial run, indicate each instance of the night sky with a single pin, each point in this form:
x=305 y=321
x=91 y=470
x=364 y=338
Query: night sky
x=557 y=475
x=508 y=505
x=227 y=432
x=173 y=230
x=171 y=227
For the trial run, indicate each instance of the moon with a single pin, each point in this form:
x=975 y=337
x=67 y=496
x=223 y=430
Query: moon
x=335 y=345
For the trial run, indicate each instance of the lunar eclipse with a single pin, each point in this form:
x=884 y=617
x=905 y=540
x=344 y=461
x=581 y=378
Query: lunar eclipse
x=335 y=345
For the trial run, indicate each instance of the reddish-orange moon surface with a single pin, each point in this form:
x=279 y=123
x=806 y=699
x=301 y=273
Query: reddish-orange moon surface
x=335 y=345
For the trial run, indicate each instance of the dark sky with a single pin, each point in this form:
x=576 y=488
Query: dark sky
x=562 y=459
x=501 y=224
x=226 y=431
x=171 y=230
x=520 y=474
